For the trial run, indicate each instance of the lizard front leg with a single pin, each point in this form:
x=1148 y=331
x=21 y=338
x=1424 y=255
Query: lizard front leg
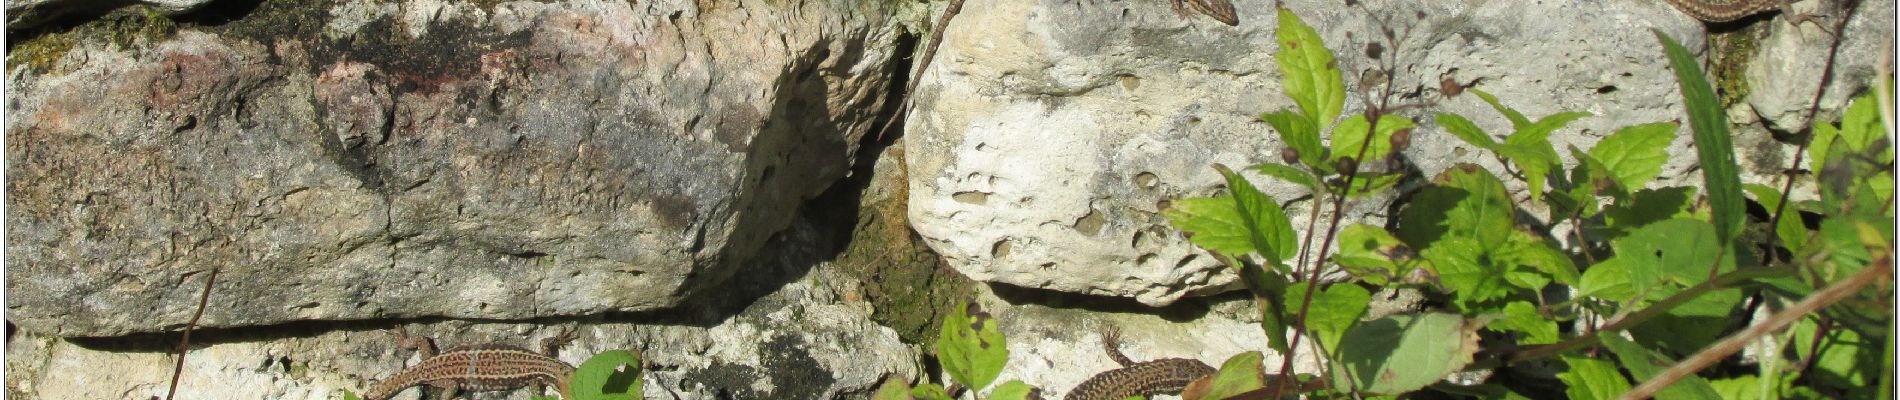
x=422 y=344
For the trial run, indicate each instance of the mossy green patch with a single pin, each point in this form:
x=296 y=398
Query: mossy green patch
x=1728 y=63
x=909 y=286
x=126 y=28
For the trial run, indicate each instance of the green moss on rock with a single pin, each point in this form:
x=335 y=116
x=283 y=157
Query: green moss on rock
x=126 y=28
x=909 y=286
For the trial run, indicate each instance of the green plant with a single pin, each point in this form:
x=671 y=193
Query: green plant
x=1680 y=276
x=972 y=351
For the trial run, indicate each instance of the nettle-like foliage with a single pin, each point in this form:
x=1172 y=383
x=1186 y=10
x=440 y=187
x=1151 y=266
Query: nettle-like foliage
x=973 y=352
x=1683 y=271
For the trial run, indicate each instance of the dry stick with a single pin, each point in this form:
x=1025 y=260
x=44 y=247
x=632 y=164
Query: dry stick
x=184 y=341
x=1736 y=342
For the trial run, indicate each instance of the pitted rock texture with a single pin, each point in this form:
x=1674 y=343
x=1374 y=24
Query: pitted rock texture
x=369 y=159
x=1049 y=135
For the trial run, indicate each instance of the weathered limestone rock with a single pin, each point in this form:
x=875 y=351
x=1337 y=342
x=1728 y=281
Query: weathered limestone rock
x=363 y=159
x=1050 y=134
x=802 y=342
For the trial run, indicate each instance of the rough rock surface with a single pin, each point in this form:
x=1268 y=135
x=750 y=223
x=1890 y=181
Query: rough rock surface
x=1789 y=67
x=25 y=14
x=1050 y=134
x=788 y=330
x=363 y=159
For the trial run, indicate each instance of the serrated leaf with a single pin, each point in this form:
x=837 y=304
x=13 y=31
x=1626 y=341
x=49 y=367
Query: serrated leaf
x=1462 y=128
x=1403 y=353
x=1290 y=174
x=1608 y=280
x=894 y=388
x=1298 y=132
x=1541 y=255
x=1682 y=250
x=1517 y=119
x=1721 y=177
x=1592 y=379
x=1588 y=179
x=1372 y=254
x=1522 y=317
x=1645 y=364
x=1791 y=229
x=1334 y=309
x=970 y=348
x=1349 y=138
x=1462 y=267
x=1534 y=162
x=1014 y=390
x=1485 y=214
x=1646 y=207
x=1239 y=374
x=1243 y=221
x=1636 y=153
x=1311 y=79
x=1821 y=145
x=1690 y=326
x=607 y=376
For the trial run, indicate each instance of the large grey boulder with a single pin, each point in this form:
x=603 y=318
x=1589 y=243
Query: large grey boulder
x=364 y=160
x=1049 y=135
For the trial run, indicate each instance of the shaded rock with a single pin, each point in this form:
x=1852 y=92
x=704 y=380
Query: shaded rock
x=359 y=160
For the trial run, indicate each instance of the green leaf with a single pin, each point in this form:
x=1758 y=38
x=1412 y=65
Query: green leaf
x=1591 y=177
x=1464 y=129
x=1372 y=254
x=1690 y=326
x=1534 y=160
x=1860 y=124
x=1517 y=119
x=1349 y=138
x=1290 y=174
x=1269 y=289
x=1484 y=215
x=1847 y=360
x=1298 y=132
x=1820 y=145
x=1239 y=374
x=1682 y=250
x=609 y=375
x=1645 y=207
x=1522 y=317
x=1541 y=255
x=1792 y=231
x=1014 y=390
x=1311 y=79
x=1369 y=184
x=1592 y=379
x=894 y=388
x=1465 y=270
x=1645 y=364
x=1636 y=153
x=1333 y=310
x=970 y=348
x=1607 y=280
x=1720 y=175
x=930 y=391
x=1243 y=221
x=1403 y=353
x=349 y=395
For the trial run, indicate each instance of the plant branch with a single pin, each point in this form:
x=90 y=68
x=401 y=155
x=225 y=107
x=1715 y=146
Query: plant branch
x=184 y=340
x=1716 y=352
x=1625 y=322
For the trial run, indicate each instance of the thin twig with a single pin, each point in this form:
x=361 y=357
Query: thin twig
x=1718 y=351
x=184 y=340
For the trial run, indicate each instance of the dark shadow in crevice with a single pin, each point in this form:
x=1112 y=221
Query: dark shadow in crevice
x=1185 y=310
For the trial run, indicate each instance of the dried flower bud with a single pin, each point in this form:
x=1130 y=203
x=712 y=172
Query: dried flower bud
x=1374 y=50
x=1401 y=140
x=1290 y=156
x=1346 y=165
x=1450 y=88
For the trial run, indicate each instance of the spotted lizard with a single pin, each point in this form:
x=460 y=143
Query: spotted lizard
x=478 y=368
x=1729 y=10
x=1167 y=375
